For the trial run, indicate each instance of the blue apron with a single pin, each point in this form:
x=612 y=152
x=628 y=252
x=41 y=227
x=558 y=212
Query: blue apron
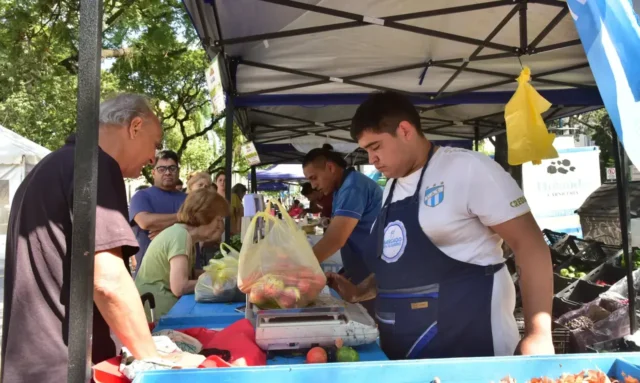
x=429 y=305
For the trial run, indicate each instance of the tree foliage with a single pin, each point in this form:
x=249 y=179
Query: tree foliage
x=149 y=47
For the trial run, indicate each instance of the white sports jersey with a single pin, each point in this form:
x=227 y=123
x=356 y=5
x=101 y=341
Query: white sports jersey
x=464 y=193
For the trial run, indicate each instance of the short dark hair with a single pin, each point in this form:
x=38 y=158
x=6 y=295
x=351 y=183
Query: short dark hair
x=306 y=189
x=238 y=188
x=168 y=155
x=179 y=182
x=218 y=174
x=325 y=153
x=382 y=112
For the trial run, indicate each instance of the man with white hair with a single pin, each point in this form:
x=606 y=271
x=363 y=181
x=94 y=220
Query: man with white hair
x=37 y=269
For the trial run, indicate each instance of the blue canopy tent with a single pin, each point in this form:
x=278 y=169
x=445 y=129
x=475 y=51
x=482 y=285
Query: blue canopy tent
x=272 y=186
x=281 y=173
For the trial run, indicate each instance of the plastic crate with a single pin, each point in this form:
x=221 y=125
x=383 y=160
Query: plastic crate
x=562 y=306
x=607 y=273
x=616 y=345
x=560 y=283
x=553 y=237
x=582 y=292
x=457 y=370
x=561 y=336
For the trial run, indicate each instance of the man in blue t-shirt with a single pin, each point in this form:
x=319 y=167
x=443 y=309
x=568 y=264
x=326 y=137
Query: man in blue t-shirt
x=356 y=204
x=154 y=209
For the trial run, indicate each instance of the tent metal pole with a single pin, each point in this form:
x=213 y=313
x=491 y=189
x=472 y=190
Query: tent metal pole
x=355 y=24
x=536 y=78
x=622 y=180
x=254 y=180
x=392 y=24
x=524 y=38
x=546 y=30
x=329 y=78
x=319 y=124
x=476 y=131
x=228 y=153
x=554 y=3
x=477 y=51
x=553 y=47
x=85 y=187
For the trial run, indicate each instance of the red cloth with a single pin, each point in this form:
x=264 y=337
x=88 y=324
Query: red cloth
x=294 y=212
x=239 y=339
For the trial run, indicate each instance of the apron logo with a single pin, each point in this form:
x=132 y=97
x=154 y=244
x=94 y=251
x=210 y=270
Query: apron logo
x=434 y=195
x=395 y=240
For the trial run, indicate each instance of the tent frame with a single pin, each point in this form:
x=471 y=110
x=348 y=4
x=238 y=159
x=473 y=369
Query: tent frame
x=440 y=99
x=86 y=151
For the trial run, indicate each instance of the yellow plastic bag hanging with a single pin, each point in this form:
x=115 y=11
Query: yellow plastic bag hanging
x=527 y=135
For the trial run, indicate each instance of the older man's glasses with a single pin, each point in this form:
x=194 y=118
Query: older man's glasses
x=164 y=169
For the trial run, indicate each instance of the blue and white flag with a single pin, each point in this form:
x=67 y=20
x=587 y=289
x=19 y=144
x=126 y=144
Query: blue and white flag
x=610 y=35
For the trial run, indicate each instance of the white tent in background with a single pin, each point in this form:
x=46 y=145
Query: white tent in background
x=18 y=156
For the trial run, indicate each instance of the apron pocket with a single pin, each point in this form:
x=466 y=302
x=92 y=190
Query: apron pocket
x=386 y=318
x=408 y=323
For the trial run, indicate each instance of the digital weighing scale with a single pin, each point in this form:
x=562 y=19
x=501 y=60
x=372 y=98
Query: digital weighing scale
x=321 y=324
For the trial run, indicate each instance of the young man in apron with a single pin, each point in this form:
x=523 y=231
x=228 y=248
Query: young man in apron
x=356 y=204
x=438 y=270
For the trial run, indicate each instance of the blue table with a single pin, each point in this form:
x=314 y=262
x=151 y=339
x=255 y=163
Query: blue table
x=187 y=313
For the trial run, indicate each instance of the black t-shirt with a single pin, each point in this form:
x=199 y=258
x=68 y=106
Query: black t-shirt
x=37 y=266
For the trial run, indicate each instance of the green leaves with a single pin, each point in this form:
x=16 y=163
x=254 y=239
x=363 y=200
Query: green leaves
x=150 y=47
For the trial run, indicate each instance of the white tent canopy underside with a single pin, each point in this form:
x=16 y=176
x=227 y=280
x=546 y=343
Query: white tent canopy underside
x=272 y=68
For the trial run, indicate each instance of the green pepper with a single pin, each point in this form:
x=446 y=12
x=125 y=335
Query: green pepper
x=347 y=354
x=564 y=272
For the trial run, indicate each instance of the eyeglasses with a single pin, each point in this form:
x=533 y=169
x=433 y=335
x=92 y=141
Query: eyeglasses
x=163 y=169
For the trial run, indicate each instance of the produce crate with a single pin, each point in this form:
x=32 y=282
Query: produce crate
x=560 y=283
x=553 y=237
x=562 y=306
x=582 y=292
x=476 y=370
x=616 y=345
x=560 y=334
x=607 y=273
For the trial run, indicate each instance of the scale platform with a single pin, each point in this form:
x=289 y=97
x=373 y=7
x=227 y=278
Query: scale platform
x=322 y=324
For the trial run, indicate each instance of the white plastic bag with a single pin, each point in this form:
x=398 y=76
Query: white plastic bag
x=279 y=270
x=219 y=281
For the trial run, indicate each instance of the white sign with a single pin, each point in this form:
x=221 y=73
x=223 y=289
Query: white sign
x=634 y=173
x=214 y=83
x=250 y=153
x=556 y=188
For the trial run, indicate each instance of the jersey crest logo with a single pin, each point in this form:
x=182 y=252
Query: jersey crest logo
x=434 y=195
x=395 y=241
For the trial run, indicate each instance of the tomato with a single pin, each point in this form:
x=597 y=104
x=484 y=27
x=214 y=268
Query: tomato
x=317 y=355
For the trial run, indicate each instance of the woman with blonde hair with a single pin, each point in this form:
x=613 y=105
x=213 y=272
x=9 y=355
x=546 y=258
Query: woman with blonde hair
x=198 y=180
x=167 y=269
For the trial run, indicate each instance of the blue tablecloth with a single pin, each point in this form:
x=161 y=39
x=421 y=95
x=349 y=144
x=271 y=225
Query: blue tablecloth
x=187 y=313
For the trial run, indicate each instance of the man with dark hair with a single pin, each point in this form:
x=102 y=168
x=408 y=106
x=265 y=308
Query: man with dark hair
x=318 y=202
x=356 y=203
x=179 y=185
x=441 y=287
x=154 y=209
